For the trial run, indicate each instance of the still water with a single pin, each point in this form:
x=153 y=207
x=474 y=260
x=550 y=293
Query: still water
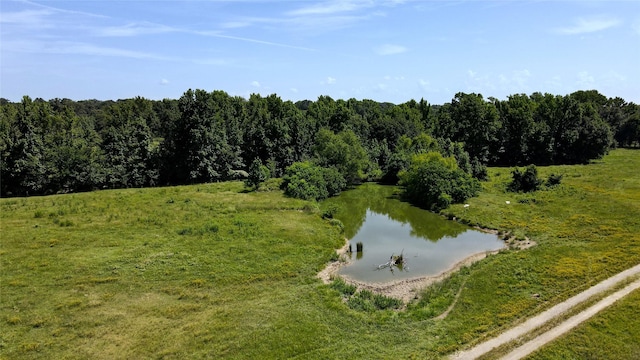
x=373 y=215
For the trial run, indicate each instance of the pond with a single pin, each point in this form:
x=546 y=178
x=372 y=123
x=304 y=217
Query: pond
x=373 y=215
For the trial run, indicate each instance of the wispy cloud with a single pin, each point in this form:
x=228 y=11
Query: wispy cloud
x=584 y=26
x=134 y=29
x=255 y=84
x=331 y=7
x=390 y=49
x=76 y=48
x=222 y=35
x=88 y=49
x=425 y=85
x=38 y=22
x=585 y=80
x=516 y=81
x=61 y=10
x=29 y=17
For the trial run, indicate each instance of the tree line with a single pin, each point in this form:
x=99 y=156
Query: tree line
x=62 y=145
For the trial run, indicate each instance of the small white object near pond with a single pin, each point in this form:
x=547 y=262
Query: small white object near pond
x=508 y=202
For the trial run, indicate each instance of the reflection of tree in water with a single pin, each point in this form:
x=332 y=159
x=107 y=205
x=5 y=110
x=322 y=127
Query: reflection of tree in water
x=353 y=205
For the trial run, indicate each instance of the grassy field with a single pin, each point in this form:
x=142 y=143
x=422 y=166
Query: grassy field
x=213 y=271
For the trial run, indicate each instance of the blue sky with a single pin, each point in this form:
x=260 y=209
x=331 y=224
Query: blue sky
x=386 y=50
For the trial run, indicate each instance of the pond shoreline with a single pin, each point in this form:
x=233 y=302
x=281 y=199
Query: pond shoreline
x=409 y=289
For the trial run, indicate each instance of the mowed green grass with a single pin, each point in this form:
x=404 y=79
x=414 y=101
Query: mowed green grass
x=210 y=271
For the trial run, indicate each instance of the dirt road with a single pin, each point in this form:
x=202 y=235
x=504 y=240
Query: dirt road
x=544 y=317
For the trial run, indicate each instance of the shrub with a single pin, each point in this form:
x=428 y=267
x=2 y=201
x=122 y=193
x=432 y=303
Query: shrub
x=554 y=180
x=258 y=173
x=334 y=181
x=342 y=287
x=434 y=182
x=330 y=211
x=337 y=223
x=479 y=170
x=304 y=180
x=526 y=181
x=384 y=302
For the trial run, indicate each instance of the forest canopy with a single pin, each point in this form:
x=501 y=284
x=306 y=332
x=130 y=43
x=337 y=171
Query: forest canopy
x=62 y=145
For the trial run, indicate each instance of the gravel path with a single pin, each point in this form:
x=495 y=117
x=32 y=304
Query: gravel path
x=544 y=317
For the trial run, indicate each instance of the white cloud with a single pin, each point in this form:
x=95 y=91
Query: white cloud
x=555 y=83
x=381 y=87
x=479 y=83
x=294 y=90
x=390 y=49
x=585 y=80
x=517 y=78
x=164 y=82
x=424 y=84
x=330 y=80
x=255 y=84
x=584 y=26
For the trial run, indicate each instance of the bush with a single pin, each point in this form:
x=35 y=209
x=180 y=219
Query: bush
x=304 y=180
x=342 y=287
x=334 y=181
x=258 y=173
x=526 y=181
x=554 y=180
x=330 y=211
x=337 y=223
x=435 y=182
x=384 y=302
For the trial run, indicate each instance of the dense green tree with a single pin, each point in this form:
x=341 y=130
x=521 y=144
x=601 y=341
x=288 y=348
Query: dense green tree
x=23 y=166
x=630 y=131
x=129 y=155
x=258 y=174
x=267 y=134
x=434 y=182
x=396 y=122
x=305 y=180
x=168 y=114
x=303 y=131
x=63 y=145
x=128 y=144
x=580 y=133
x=197 y=149
x=343 y=152
x=74 y=156
x=321 y=111
x=476 y=124
x=516 y=116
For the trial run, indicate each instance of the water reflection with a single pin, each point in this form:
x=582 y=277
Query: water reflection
x=373 y=214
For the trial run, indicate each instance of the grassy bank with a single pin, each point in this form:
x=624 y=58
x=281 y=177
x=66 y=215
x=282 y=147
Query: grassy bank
x=212 y=271
x=587 y=229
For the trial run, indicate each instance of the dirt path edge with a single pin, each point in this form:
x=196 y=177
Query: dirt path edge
x=546 y=316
